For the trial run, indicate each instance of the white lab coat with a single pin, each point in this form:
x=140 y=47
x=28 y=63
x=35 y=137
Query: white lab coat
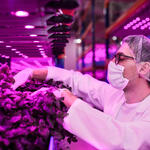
x=102 y=129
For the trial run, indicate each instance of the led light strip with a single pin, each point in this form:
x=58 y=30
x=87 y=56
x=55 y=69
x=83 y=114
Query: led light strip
x=136 y=23
x=42 y=52
x=4 y=56
x=19 y=53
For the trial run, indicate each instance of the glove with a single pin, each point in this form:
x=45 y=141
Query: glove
x=22 y=77
x=56 y=92
x=43 y=89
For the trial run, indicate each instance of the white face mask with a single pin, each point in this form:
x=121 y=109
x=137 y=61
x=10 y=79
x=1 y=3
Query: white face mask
x=115 y=76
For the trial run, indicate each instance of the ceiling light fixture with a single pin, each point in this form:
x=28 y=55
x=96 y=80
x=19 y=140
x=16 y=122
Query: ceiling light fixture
x=21 y=13
x=42 y=52
x=41 y=49
x=4 y=56
x=17 y=52
x=39 y=45
x=20 y=54
x=8 y=46
x=36 y=41
x=13 y=49
x=29 y=26
x=25 y=56
x=132 y=23
x=33 y=35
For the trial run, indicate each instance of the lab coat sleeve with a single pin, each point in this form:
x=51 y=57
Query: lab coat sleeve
x=85 y=86
x=104 y=132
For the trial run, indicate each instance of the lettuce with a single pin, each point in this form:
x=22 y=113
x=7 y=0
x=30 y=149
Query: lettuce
x=28 y=116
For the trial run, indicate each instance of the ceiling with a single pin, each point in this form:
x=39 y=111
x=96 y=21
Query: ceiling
x=13 y=34
x=14 y=37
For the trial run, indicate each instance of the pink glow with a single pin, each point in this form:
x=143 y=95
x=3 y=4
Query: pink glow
x=17 y=52
x=99 y=74
x=36 y=41
x=13 y=49
x=142 y=28
x=43 y=55
x=3 y=56
x=39 y=45
x=12 y=13
x=99 y=53
x=134 y=21
x=41 y=49
x=29 y=27
x=131 y=23
x=134 y=27
x=33 y=35
x=128 y=25
x=1 y=41
x=8 y=46
x=7 y=57
x=143 y=21
x=42 y=52
x=20 y=54
x=147 y=19
x=138 y=19
x=140 y=23
x=25 y=56
x=21 y=13
x=145 y=26
x=125 y=27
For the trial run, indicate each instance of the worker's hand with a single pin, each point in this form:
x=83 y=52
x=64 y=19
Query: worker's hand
x=22 y=77
x=69 y=98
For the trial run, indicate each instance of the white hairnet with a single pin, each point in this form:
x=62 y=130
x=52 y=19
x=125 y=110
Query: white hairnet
x=140 y=45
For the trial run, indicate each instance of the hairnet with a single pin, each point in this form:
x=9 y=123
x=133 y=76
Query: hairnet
x=140 y=46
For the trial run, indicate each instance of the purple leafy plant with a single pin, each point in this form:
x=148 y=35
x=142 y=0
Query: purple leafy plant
x=27 y=120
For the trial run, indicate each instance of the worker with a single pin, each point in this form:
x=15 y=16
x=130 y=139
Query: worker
x=113 y=116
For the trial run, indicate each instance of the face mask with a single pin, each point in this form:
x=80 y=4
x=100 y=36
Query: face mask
x=115 y=76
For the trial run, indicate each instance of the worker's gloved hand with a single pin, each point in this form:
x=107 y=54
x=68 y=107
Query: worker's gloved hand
x=22 y=77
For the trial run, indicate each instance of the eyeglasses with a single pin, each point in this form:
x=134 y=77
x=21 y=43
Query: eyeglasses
x=119 y=57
